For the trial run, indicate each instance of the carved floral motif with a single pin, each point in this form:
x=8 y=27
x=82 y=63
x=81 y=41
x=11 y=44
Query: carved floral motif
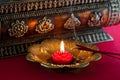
x=18 y=29
x=44 y=26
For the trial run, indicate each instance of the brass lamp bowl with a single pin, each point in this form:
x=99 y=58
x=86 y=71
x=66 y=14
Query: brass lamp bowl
x=42 y=53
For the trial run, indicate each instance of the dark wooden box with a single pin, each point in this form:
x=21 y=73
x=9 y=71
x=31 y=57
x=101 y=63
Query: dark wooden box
x=25 y=22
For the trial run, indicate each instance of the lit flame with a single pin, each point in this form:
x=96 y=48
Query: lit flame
x=62 y=46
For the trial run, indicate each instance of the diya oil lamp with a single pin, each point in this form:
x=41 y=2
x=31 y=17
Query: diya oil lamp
x=49 y=54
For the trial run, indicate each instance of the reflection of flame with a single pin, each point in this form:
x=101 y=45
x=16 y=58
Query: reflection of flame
x=32 y=24
x=62 y=46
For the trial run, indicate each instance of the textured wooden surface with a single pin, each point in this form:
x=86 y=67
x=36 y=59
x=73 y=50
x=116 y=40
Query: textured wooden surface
x=25 y=22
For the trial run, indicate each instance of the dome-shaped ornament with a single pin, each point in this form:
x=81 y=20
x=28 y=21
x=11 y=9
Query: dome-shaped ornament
x=18 y=29
x=44 y=26
x=72 y=22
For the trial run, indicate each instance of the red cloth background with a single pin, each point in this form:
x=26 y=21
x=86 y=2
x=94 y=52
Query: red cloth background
x=18 y=68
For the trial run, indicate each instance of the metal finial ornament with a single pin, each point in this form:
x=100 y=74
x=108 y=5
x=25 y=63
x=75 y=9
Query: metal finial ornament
x=44 y=26
x=95 y=19
x=18 y=29
x=72 y=22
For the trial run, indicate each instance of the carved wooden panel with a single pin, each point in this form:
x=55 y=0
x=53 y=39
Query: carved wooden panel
x=24 y=22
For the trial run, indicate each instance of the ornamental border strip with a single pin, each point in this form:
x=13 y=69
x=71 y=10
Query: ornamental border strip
x=58 y=11
x=14 y=7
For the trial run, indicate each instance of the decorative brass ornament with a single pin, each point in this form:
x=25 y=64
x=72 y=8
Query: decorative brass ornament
x=72 y=22
x=18 y=29
x=44 y=26
x=95 y=19
x=41 y=53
